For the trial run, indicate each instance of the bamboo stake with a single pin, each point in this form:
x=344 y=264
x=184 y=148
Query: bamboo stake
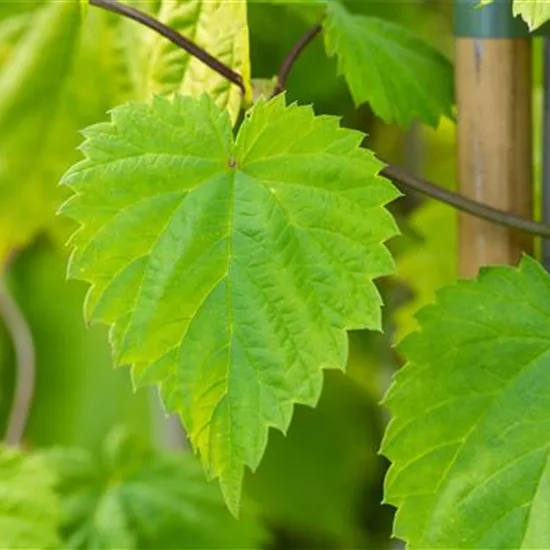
x=493 y=90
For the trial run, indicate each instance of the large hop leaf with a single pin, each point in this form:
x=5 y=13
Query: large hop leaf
x=29 y=509
x=129 y=496
x=229 y=269
x=218 y=26
x=469 y=440
x=401 y=77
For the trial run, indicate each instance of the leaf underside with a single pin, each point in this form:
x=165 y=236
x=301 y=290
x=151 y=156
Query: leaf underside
x=219 y=27
x=229 y=269
x=469 y=440
x=534 y=12
x=401 y=77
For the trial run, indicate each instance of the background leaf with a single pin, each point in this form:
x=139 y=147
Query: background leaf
x=29 y=509
x=129 y=496
x=37 y=51
x=218 y=26
x=534 y=12
x=50 y=66
x=468 y=439
x=402 y=77
x=229 y=275
x=427 y=265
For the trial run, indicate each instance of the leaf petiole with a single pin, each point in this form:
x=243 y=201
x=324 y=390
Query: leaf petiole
x=293 y=56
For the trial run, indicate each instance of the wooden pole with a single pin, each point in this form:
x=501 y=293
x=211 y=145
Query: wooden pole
x=493 y=92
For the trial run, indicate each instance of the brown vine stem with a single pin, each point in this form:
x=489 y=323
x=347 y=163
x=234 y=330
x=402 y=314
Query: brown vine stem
x=412 y=182
x=293 y=56
x=174 y=37
x=23 y=344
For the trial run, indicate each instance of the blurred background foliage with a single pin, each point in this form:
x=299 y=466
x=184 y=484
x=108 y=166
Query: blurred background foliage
x=321 y=486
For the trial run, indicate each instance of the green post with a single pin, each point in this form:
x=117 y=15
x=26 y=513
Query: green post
x=494 y=20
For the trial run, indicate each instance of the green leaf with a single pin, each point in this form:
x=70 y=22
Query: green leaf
x=469 y=438
x=534 y=12
x=110 y=50
x=230 y=270
x=263 y=87
x=218 y=26
x=36 y=48
x=50 y=65
x=29 y=509
x=133 y=497
x=402 y=77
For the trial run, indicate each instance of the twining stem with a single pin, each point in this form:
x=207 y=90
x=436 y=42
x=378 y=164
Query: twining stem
x=415 y=183
x=395 y=173
x=174 y=37
x=23 y=344
x=293 y=56
x=411 y=182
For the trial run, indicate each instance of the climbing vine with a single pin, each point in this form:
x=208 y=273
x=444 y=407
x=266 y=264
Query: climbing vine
x=231 y=239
